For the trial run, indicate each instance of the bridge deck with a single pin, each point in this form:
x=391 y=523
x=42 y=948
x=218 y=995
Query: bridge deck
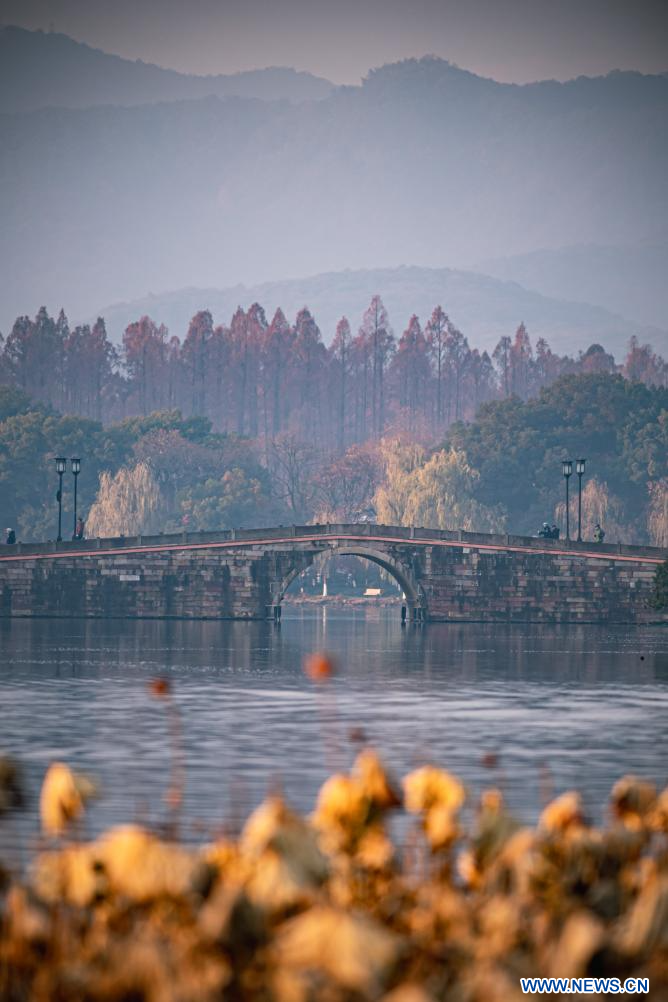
x=350 y=534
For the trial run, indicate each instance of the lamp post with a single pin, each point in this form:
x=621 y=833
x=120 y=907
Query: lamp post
x=76 y=468
x=567 y=470
x=61 y=466
x=579 y=469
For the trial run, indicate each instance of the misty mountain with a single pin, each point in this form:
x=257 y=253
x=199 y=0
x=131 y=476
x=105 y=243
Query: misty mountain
x=39 y=69
x=629 y=280
x=483 y=308
x=423 y=164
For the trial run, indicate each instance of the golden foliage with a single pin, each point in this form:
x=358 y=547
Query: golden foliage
x=350 y=810
x=437 y=796
x=437 y=492
x=127 y=504
x=351 y=949
x=330 y=908
x=657 y=513
x=126 y=861
x=287 y=866
x=598 y=505
x=563 y=814
x=430 y=787
x=64 y=794
x=633 y=799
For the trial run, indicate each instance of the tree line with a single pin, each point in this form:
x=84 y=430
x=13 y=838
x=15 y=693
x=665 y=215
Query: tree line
x=263 y=379
x=499 y=472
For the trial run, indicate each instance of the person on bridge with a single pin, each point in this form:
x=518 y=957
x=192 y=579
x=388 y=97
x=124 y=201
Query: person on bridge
x=10 y=538
x=554 y=532
x=599 y=533
x=545 y=532
x=79 y=530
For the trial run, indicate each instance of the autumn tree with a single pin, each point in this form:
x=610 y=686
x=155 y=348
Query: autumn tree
x=501 y=357
x=400 y=460
x=482 y=379
x=521 y=363
x=410 y=370
x=89 y=362
x=457 y=355
x=437 y=493
x=596 y=359
x=657 y=514
x=240 y=357
x=256 y=333
x=599 y=505
x=34 y=356
x=144 y=352
x=278 y=347
x=292 y=468
x=128 y=503
x=347 y=485
x=309 y=360
x=195 y=356
x=218 y=377
x=340 y=352
x=264 y=380
x=436 y=333
x=376 y=334
x=543 y=370
x=643 y=365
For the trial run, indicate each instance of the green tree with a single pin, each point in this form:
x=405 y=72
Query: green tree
x=233 y=500
x=618 y=426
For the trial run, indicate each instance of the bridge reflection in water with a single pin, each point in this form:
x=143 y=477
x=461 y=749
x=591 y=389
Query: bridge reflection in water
x=244 y=574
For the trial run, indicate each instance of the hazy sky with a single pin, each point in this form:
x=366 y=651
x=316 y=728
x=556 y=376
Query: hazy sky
x=510 y=40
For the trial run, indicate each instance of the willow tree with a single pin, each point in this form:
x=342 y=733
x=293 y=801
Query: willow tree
x=437 y=493
x=657 y=515
x=127 y=503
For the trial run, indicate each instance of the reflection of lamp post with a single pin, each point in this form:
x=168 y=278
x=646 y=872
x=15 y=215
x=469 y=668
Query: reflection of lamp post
x=567 y=470
x=61 y=466
x=76 y=467
x=579 y=469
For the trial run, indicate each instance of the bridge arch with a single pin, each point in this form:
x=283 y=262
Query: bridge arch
x=402 y=574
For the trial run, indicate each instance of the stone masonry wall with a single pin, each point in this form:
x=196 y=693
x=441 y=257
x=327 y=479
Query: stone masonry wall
x=184 y=584
x=453 y=582
x=470 y=584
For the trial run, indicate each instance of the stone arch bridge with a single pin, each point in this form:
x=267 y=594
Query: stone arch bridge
x=243 y=574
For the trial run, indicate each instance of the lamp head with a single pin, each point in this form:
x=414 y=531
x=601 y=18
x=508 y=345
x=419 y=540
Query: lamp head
x=567 y=467
x=580 y=466
x=76 y=464
x=61 y=464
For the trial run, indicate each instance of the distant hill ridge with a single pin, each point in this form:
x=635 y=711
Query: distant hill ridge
x=422 y=162
x=40 y=69
x=484 y=308
x=49 y=69
x=629 y=280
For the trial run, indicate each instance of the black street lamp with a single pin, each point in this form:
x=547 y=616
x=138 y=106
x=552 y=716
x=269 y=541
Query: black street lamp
x=579 y=469
x=61 y=466
x=76 y=468
x=567 y=470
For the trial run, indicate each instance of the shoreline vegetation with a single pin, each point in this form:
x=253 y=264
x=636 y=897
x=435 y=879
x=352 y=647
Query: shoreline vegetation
x=331 y=906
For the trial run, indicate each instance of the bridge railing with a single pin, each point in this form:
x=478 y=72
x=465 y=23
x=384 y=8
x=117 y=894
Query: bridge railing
x=356 y=530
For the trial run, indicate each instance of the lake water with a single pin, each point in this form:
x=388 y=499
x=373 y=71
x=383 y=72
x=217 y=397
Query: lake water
x=535 y=710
